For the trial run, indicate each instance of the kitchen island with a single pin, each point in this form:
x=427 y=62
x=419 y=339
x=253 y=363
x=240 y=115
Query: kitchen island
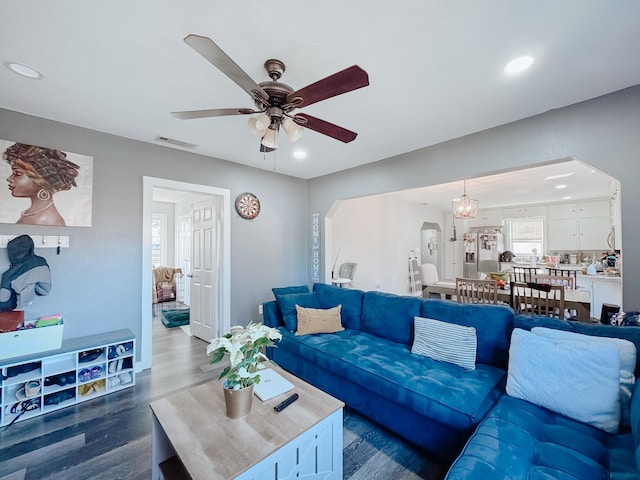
x=604 y=288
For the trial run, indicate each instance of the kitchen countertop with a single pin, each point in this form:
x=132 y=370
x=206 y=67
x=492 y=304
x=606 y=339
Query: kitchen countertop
x=600 y=276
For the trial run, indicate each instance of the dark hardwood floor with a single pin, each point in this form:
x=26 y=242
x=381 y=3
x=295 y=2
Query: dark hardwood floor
x=109 y=437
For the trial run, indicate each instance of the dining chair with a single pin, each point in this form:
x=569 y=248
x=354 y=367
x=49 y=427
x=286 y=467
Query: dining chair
x=469 y=290
x=565 y=273
x=538 y=299
x=523 y=274
x=346 y=272
x=565 y=281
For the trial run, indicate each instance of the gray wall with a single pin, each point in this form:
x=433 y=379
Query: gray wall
x=604 y=132
x=97 y=283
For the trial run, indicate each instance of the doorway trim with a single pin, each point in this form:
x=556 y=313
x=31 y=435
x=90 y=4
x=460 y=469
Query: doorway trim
x=148 y=184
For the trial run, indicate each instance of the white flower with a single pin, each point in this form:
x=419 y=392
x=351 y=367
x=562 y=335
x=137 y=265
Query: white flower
x=244 y=345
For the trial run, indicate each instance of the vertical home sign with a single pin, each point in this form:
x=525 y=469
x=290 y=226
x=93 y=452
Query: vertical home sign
x=315 y=247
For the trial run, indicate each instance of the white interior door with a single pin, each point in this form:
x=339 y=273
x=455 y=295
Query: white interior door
x=205 y=269
x=184 y=258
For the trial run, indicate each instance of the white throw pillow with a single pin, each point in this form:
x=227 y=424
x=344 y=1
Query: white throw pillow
x=446 y=342
x=563 y=376
x=627 y=351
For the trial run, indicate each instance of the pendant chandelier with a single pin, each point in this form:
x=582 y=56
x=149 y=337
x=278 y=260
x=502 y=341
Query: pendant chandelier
x=465 y=206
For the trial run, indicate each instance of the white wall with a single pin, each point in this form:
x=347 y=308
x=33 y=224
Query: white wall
x=378 y=233
x=170 y=235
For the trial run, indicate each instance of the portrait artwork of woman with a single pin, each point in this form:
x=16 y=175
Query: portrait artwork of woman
x=38 y=173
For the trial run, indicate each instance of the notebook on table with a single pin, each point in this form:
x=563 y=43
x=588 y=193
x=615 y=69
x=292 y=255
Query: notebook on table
x=271 y=385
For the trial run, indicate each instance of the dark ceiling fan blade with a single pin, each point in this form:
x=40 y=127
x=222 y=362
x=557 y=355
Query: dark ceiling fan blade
x=344 y=81
x=216 y=56
x=324 y=127
x=216 y=112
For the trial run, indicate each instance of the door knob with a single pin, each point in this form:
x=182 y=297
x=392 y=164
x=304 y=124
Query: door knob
x=189 y=275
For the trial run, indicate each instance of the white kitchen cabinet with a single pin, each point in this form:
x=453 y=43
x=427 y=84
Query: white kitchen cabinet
x=593 y=233
x=595 y=208
x=579 y=226
x=563 y=211
x=603 y=290
x=524 y=211
x=562 y=234
x=589 y=208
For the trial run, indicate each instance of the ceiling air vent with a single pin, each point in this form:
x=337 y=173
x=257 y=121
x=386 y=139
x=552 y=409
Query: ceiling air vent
x=177 y=143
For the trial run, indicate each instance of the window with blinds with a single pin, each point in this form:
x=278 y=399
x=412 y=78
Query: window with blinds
x=522 y=235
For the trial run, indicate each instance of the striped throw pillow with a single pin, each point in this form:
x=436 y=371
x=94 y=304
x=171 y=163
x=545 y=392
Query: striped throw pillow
x=445 y=342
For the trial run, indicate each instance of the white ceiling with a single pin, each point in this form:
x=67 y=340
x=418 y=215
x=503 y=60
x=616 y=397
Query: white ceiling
x=523 y=187
x=435 y=67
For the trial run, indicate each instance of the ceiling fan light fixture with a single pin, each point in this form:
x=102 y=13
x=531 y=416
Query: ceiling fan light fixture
x=253 y=129
x=270 y=138
x=292 y=129
x=465 y=206
x=262 y=122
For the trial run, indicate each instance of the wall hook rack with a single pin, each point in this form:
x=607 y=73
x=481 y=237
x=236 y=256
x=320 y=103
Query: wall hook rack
x=40 y=241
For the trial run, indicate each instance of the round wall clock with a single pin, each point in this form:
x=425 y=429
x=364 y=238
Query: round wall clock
x=247 y=205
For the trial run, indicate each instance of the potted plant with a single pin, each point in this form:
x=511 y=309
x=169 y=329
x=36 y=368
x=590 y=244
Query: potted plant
x=245 y=347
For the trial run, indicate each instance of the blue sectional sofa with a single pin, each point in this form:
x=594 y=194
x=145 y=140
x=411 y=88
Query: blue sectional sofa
x=449 y=410
x=369 y=365
x=522 y=440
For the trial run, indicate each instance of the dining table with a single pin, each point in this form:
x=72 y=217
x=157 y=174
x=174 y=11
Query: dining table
x=577 y=300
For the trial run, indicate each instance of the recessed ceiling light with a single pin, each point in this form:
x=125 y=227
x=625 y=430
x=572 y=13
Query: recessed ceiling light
x=518 y=65
x=299 y=154
x=568 y=197
x=561 y=186
x=561 y=175
x=23 y=70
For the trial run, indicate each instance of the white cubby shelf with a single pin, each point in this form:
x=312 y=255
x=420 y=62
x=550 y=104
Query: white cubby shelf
x=81 y=369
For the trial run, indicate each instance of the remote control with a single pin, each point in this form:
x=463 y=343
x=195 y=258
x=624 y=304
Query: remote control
x=286 y=403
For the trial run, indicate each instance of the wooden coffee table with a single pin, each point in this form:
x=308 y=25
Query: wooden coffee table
x=305 y=439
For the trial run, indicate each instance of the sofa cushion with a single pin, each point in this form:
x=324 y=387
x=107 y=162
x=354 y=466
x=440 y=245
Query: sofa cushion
x=318 y=320
x=451 y=395
x=521 y=440
x=351 y=300
x=446 y=342
x=626 y=351
x=567 y=378
x=390 y=316
x=288 y=302
x=635 y=420
x=493 y=324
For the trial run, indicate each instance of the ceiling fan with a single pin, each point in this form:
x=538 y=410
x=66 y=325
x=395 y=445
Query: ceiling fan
x=275 y=100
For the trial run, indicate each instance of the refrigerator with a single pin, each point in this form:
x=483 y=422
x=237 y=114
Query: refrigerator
x=482 y=249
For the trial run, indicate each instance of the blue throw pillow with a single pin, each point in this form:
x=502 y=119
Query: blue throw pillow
x=287 y=304
x=278 y=291
x=287 y=290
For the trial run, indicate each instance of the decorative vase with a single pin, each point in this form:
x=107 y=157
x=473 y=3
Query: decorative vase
x=238 y=402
